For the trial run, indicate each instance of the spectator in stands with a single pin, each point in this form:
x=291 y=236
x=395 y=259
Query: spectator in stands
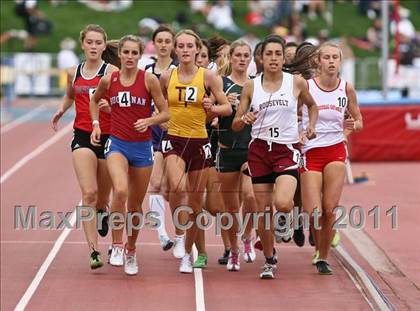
x=373 y=39
x=107 y=5
x=374 y=34
x=66 y=59
x=200 y=6
x=35 y=22
x=220 y=16
x=261 y=12
x=370 y=8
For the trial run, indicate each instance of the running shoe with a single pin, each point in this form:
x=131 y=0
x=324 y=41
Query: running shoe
x=233 y=262
x=311 y=238
x=249 y=252
x=323 y=267
x=179 y=249
x=95 y=260
x=103 y=227
x=201 y=261
x=315 y=257
x=130 y=263
x=268 y=271
x=225 y=257
x=117 y=258
x=165 y=242
x=186 y=264
x=336 y=239
x=299 y=237
x=282 y=232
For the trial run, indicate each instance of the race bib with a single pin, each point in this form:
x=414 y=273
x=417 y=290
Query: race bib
x=124 y=99
x=166 y=146
x=207 y=151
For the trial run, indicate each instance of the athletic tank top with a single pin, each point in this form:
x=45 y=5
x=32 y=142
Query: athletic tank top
x=331 y=106
x=84 y=88
x=151 y=68
x=188 y=118
x=276 y=112
x=227 y=137
x=128 y=104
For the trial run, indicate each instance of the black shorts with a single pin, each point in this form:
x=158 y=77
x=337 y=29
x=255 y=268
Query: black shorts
x=230 y=160
x=81 y=139
x=271 y=177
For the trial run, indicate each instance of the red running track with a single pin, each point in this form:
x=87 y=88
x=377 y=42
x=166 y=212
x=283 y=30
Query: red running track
x=48 y=182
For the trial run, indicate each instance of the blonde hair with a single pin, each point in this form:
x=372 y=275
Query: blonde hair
x=330 y=44
x=132 y=38
x=226 y=69
x=92 y=27
x=190 y=33
x=237 y=43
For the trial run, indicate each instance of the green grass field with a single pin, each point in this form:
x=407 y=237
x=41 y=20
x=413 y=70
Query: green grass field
x=70 y=18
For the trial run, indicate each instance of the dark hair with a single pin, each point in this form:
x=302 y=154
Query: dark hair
x=290 y=44
x=257 y=47
x=215 y=43
x=110 y=55
x=272 y=39
x=302 y=63
x=163 y=28
x=206 y=44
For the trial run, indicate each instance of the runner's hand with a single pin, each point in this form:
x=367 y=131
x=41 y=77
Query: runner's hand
x=104 y=106
x=56 y=117
x=95 y=137
x=141 y=125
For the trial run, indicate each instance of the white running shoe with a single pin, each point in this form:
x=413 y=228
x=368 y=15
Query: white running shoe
x=130 y=263
x=283 y=232
x=268 y=271
x=249 y=251
x=233 y=262
x=116 y=258
x=179 y=249
x=186 y=264
x=165 y=242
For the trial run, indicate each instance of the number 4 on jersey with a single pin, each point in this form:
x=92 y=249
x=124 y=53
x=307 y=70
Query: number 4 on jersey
x=124 y=99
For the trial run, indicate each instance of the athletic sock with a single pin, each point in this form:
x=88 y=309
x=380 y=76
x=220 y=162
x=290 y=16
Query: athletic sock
x=270 y=260
x=157 y=204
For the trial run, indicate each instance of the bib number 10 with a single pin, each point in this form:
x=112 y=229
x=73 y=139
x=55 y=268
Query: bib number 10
x=342 y=102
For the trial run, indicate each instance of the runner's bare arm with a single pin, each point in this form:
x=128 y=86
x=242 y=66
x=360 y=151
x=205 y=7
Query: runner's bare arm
x=243 y=115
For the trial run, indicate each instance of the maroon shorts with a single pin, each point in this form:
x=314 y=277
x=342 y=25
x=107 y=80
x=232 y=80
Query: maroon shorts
x=317 y=158
x=196 y=152
x=265 y=158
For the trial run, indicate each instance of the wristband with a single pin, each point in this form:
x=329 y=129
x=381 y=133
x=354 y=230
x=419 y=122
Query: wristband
x=95 y=122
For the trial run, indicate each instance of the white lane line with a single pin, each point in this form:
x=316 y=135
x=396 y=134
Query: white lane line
x=26 y=117
x=199 y=288
x=376 y=296
x=36 y=152
x=45 y=265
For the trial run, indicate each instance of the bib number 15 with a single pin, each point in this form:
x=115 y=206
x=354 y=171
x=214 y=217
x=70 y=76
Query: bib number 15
x=274 y=132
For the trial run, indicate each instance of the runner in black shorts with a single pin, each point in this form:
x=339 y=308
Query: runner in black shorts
x=231 y=158
x=81 y=139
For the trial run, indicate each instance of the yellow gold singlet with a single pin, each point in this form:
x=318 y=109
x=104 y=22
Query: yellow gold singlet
x=188 y=118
